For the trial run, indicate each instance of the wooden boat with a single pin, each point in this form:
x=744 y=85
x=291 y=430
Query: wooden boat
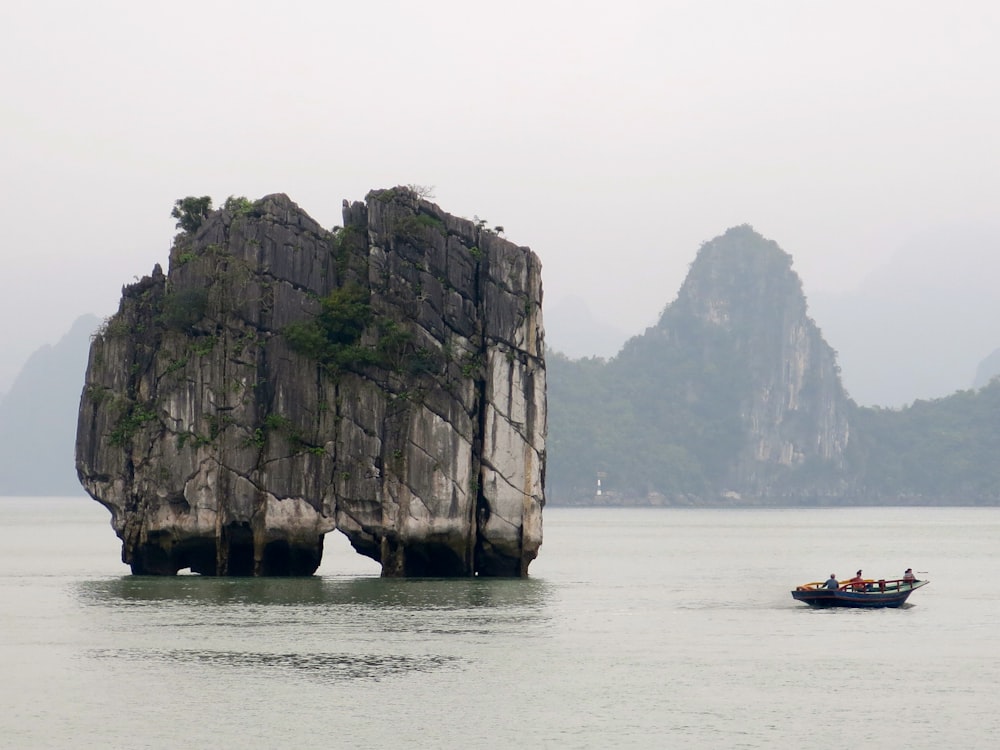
x=867 y=593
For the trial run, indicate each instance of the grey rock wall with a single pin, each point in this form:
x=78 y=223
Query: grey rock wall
x=221 y=443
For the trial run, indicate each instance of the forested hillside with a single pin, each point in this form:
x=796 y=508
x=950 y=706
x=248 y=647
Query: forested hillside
x=942 y=451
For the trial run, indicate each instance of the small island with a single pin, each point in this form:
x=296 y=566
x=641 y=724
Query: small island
x=385 y=379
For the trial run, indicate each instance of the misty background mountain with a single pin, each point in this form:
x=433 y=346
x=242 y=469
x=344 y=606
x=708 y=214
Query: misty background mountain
x=923 y=326
x=735 y=397
x=38 y=417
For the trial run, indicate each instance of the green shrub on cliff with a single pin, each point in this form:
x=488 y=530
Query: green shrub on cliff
x=332 y=337
x=190 y=212
x=131 y=421
x=238 y=205
x=182 y=309
x=411 y=228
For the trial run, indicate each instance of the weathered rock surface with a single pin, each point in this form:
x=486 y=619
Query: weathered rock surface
x=386 y=379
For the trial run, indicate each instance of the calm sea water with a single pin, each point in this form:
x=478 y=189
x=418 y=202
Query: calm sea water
x=638 y=628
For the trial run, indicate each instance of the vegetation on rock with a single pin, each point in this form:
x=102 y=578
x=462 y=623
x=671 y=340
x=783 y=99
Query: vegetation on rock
x=332 y=337
x=183 y=308
x=190 y=212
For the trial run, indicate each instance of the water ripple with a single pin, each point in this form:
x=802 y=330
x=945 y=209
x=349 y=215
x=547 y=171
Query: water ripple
x=326 y=668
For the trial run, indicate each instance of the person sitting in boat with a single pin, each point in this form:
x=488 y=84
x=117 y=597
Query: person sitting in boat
x=858 y=583
x=908 y=576
x=831 y=582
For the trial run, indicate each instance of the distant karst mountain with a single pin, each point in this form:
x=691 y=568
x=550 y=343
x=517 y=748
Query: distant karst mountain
x=735 y=398
x=732 y=396
x=37 y=425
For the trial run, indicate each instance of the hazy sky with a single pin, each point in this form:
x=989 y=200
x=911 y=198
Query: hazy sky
x=612 y=138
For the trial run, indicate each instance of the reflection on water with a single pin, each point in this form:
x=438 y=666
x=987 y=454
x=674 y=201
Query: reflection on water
x=325 y=668
x=422 y=594
x=328 y=629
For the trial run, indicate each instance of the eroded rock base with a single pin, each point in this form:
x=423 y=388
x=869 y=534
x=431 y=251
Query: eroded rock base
x=161 y=555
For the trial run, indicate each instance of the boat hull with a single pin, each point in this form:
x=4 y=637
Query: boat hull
x=873 y=599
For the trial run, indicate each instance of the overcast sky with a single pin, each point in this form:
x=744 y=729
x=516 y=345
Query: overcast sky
x=612 y=138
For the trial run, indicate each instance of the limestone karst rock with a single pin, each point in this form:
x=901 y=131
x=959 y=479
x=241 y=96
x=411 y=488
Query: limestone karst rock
x=733 y=397
x=792 y=410
x=386 y=379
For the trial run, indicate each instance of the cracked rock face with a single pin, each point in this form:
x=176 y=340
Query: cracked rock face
x=386 y=379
